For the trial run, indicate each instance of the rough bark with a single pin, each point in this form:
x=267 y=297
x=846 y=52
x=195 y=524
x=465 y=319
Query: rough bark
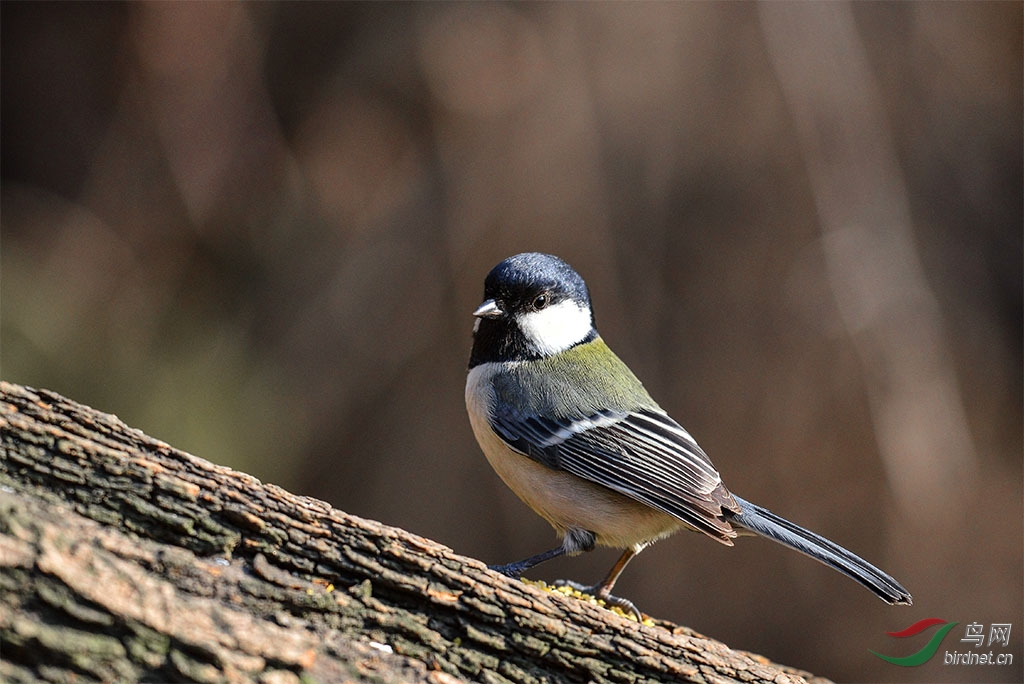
x=124 y=559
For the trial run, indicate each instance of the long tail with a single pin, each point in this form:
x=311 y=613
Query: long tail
x=767 y=524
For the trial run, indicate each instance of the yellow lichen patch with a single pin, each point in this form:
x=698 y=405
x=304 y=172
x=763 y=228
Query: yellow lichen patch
x=320 y=582
x=566 y=590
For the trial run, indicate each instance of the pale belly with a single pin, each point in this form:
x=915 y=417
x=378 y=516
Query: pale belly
x=564 y=500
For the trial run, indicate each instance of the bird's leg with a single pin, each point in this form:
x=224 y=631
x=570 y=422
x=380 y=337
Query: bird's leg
x=575 y=541
x=517 y=569
x=603 y=589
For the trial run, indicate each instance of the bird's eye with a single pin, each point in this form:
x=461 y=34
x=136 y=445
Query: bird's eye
x=541 y=301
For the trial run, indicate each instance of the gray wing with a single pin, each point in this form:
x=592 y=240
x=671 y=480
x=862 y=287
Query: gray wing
x=644 y=454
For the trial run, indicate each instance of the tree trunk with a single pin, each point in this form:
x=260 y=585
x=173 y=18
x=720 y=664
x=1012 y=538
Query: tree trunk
x=125 y=559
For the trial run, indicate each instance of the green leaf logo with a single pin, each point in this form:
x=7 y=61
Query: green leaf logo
x=925 y=653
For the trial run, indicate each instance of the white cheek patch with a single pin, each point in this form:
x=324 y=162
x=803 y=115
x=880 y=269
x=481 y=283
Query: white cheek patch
x=556 y=328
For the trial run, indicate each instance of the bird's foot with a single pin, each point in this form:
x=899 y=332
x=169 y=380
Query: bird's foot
x=601 y=592
x=516 y=570
x=513 y=570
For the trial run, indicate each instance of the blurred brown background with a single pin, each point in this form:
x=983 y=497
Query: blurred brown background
x=257 y=231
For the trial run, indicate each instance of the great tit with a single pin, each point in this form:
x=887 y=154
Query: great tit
x=571 y=430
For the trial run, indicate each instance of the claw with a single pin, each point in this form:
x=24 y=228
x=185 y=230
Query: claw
x=513 y=570
x=600 y=592
x=516 y=570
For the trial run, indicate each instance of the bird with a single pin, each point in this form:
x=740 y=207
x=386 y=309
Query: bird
x=573 y=433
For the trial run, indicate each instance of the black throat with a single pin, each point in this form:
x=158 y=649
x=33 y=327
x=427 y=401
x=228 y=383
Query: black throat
x=498 y=340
